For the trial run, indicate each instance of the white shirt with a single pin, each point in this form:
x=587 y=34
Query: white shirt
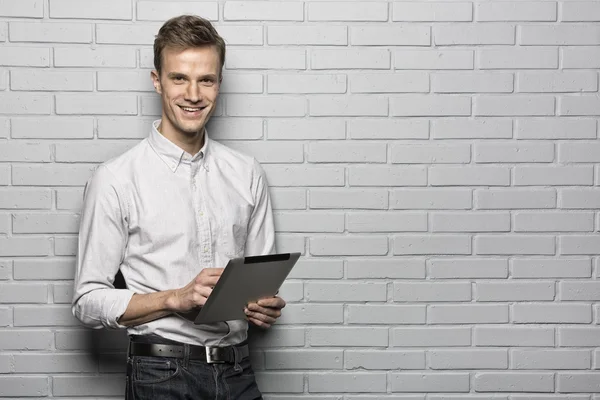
x=161 y=215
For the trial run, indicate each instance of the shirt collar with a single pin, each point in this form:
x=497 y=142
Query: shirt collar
x=173 y=155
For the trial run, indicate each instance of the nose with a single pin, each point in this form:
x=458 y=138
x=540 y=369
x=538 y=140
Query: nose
x=192 y=94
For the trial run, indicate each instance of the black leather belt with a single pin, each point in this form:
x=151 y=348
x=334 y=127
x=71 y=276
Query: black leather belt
x=212 y=355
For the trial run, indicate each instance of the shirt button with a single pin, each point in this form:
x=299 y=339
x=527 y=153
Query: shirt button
x=201 y=214
x=206 y=249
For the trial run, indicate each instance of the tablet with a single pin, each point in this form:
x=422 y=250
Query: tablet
x=245 y=280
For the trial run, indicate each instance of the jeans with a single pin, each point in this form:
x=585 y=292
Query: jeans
x=165 y=378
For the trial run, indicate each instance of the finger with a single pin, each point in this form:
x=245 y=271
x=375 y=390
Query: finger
x=261 y=317
x=270 y=312
x=272 y=302
x=212 y=271
x=259 y=323
x=210 y=281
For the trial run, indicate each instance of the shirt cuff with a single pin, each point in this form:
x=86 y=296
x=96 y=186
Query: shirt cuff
x=116 y=302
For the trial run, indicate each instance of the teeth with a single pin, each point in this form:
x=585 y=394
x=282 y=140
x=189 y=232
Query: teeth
x=190 y=109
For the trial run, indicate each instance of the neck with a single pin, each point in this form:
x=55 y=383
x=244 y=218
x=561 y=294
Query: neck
x=191 y=144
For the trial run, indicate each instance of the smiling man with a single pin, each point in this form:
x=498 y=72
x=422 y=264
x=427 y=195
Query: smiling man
x=169 y=214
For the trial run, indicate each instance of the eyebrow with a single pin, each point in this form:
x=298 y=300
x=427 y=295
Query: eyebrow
x=182 y=75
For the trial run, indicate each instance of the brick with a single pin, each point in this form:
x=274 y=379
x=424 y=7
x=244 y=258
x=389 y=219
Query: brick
x=517 y=291
x=553 y=176
x=386 y=268
x=44 y=316
x=242 y=83
x=25 y=339
x=348 y=245
x=577 y=244
x=23 y=293
x=348 y=11
x=98 y=57
x=279 y=175
x=386 y=222
x=513 y=336
x=580 y=11
x=52 y=128
x=474 y=35
x=515 y=11
x=431 y=337
x=466 y=128
x=5 y=223
x=578 y=382
x=513 y=198
x=303 y=359
x=18 y=151
x=384 y=359
x=467 y=314
x=432 y=11
x=21 y=57
x=278 y=337
x=580 y=57
x=340 y=106
x=54 y=175
x=6 y=315
x=109 y=385
x=356 y=336
x=23 y=386
x=96 y=104
x=541 y=313
x=45 y=223
x=471 y=175
x=4 y=127
x=360 y=382
x=518 y=58
x=345 y=292
x=431 y=244
x=288 y=199
x=110 y=9
x=430 y=105
x=578 y=336
x=385 y=314
x=402 y=35
x=263 y=11
x=44 y=269
x=135 y=127
x=468 y=359
x=551 y=268
x=50 y=32
x=280 y=83
x=290 y=243
x=3 y=31
x=291 y=291
x=429 y=382
x=553 y=222
x=24 y=8
x=469 y=82
x=54 y=363
x=317 y=269
x=91 y=151
x=346 y=152
x=397 y=175
x=163 y=10
x=262 y=106
x=575 y=290
x=286 y=382
x=515 y=105
x=146 y=57
x=5 y=178
x=579 y=105
x=269 y=152
x=399 y=82
x=6 y=270
x=65 y=245
x=25 y=103
x=307 y=35
x=562 y=34
x=352 y=58
x=266 y=59
x=551 y=359
x=24 y=246
x=514 y=244
x=52 y=80
x=300 y=129
x=434 y=59
x=235 y=128
x=388 y=129
x=557 y=82
x=431 y=199
x=513 y=153
x=514 y=382
x=579 y=198
x=470 y=222
x=578 y=152
x=241 y=35
x=467 y=268
x=432 y=292
x=312 y=314
x=308 y=222
x=126 y=33
x=120 y=81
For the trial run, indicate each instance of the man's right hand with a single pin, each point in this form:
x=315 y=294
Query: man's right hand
x=195 y=293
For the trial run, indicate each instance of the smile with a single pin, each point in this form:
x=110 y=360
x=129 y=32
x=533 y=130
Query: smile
x=192 y=109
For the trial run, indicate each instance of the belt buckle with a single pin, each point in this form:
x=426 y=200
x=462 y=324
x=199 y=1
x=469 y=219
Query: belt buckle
x=209 y=357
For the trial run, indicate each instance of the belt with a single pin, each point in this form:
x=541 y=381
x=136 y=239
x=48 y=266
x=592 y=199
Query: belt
x=212 y=355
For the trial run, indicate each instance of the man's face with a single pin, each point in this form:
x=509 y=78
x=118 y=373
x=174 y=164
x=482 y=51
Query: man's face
x=188 y=85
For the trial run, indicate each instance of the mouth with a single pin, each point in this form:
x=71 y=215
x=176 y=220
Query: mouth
x=192 y=111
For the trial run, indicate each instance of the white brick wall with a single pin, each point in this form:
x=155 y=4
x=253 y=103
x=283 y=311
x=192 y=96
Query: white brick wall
x=434 y=162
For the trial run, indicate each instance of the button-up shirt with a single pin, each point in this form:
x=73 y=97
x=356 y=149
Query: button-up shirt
x=161 y=215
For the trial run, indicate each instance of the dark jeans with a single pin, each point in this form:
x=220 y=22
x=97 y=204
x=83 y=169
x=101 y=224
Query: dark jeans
x=158 y=378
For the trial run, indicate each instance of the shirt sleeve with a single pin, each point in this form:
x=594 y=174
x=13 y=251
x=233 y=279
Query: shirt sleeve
x=102 y=241
x=261 y=229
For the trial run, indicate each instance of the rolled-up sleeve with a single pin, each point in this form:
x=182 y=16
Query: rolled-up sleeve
x=102 y=242
x=261 y=230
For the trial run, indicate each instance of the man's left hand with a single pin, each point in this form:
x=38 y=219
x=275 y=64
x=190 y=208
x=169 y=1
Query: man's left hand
x=264 y=312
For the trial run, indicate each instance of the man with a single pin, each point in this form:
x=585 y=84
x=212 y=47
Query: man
x=169 y=214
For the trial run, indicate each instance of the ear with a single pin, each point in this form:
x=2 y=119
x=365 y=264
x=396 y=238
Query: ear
x=156 y=81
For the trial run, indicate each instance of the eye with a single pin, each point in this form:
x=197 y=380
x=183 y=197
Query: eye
x=178 y=79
